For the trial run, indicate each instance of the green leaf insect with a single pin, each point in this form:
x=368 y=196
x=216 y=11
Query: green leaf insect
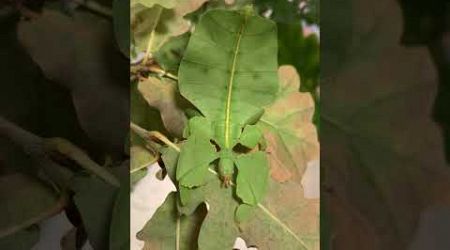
x=229 y=73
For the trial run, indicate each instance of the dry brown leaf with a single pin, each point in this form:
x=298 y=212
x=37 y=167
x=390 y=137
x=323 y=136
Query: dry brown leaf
x=287 y=124
x=162 y=94
x=170 y=23
x=292 y=222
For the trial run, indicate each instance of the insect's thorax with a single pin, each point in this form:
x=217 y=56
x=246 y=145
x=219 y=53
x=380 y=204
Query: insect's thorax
x=226 y=136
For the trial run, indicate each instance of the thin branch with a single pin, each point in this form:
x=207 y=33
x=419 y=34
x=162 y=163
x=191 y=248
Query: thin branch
x=33 y=146
x=41 y=149
x=178 y=233
x=152 y=135
x=161 y=72
x=74 y=153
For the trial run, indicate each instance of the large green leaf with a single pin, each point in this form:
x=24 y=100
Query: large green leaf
x=97 y=202
x=222 y=60
x=220 y=218
x=119 y=232
x=168 y=230
x=24 y=202
x=170 y=54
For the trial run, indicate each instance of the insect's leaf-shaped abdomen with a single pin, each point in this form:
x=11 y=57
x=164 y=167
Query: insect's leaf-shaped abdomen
x=229 y=70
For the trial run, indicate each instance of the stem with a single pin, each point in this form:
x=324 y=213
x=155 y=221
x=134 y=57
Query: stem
x=33 y=145
x=68 y=149
x=160 y=71
x=151 y=135
x=152 y=34
x=178 y=233
x=138 y=169
x=41 y=148
x=230 y=84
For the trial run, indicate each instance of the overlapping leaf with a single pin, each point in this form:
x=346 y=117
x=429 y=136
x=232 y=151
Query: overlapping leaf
x=120 y=228
x=170 y=54
x=196 y=229
x=95 y=200
x=154 y=22
x=220 y=217
x=142 y=154
x=287 y=124
x=162 y=94
x=290 y=220
x=25 y=201
x=103 y=209
x=285 y=220
x=167 y=229
x=21 y=240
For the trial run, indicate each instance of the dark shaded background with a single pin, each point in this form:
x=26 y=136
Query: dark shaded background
x=385 y=124
x=62 y=75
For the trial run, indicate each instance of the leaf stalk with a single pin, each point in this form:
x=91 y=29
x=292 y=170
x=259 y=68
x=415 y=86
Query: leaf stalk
x=151 y=135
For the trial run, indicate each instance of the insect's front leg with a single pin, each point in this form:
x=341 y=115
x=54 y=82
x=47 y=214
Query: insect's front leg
x=250 y=136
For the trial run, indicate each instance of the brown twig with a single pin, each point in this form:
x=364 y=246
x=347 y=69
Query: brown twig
x=152 y=136
x=41 y=149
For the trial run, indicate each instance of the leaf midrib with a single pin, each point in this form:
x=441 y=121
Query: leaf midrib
x=230 y=84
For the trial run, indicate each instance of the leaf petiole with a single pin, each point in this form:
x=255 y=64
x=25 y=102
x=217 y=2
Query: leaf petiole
x=151 y=135
x=68 y=149
x=161 y=72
